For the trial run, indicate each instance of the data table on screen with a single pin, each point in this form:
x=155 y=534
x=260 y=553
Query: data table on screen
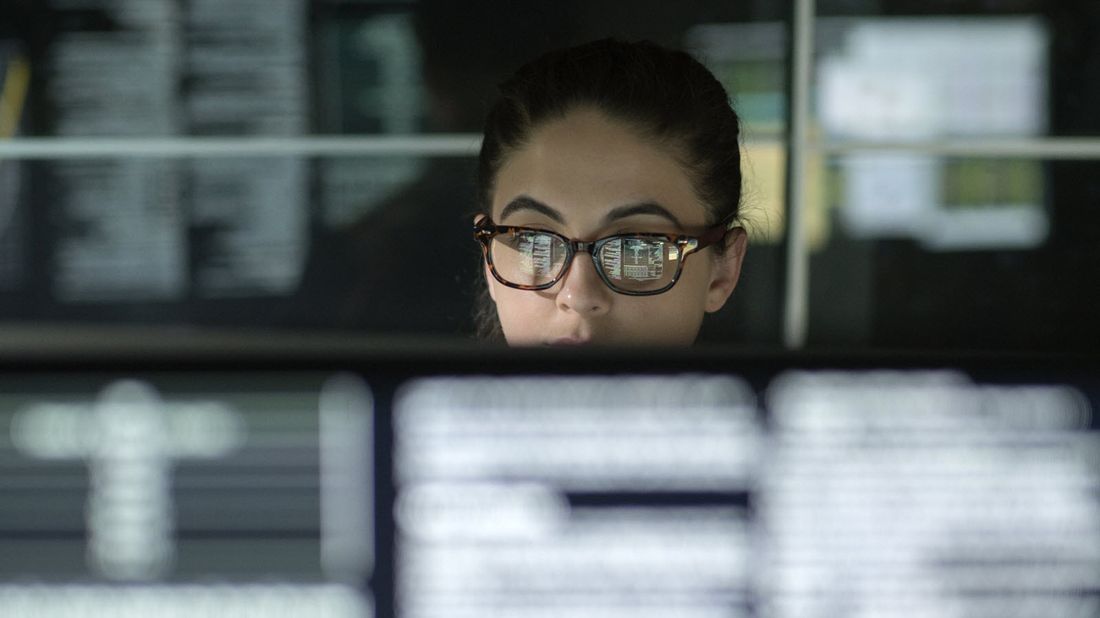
x=775 y=492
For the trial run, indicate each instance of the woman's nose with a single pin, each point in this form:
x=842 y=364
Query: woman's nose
x=582 y=290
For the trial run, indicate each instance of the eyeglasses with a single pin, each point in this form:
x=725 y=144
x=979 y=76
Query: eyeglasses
x=632 y=264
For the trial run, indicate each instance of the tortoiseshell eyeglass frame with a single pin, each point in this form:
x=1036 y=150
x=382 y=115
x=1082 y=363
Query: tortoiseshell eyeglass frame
x=485 y=230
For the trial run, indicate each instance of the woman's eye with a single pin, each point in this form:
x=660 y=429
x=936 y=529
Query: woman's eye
x=535 y=238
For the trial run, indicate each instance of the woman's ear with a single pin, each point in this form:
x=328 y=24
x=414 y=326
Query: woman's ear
x=485 y=267
x=489 y=282
x=727 y=270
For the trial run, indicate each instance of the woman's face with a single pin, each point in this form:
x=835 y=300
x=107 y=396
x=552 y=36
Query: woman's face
x=587 y=176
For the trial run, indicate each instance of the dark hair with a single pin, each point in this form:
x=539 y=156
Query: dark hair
x=667 y=95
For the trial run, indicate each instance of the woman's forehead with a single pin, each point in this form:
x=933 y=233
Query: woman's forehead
x=586 y=164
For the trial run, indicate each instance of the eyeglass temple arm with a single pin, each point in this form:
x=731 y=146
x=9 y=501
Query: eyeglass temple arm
x=483 y=226
x=715 y=235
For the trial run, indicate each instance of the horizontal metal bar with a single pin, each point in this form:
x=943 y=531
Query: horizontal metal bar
x=1025 y=148
x=468 y=144
x=442 y=145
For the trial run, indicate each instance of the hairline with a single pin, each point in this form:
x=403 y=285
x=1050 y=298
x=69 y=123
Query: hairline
x=674 y=144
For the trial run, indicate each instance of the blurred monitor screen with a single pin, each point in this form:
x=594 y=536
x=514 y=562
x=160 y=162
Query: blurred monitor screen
x=550 y=485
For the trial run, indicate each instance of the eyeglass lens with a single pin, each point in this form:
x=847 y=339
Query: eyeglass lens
x=631 y=264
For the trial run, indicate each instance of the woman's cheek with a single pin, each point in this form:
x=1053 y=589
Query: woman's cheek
x=521 y=315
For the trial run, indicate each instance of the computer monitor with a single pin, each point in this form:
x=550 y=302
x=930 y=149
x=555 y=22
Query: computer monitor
x=427 y=483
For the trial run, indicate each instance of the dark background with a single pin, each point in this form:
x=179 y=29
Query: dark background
x=380 y=272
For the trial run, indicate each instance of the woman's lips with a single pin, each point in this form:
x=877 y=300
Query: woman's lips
x=575 y=340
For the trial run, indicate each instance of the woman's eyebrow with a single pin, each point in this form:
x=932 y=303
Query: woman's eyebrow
x=524 y=202
x=643 y=208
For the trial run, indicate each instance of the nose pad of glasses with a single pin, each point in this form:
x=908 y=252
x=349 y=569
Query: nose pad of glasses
x=582 y=288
